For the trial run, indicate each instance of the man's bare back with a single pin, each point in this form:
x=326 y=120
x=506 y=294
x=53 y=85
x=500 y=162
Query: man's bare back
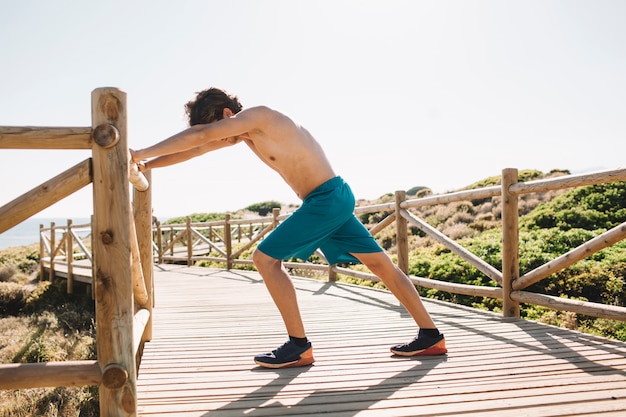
x=283 y=145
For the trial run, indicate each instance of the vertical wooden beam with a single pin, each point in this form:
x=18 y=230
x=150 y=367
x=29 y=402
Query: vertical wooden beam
x=275 y=214
x=93 y=257
x=189 y=242
x=228 y=242
x=42 y=254
x=332 y=273
x=510 y=243
x=402 y=240
x=111 y=251
x=139 y=283
x=159 y=239
x=170 y=238
x=53 y=251
x=69 y=257
x=143 y=222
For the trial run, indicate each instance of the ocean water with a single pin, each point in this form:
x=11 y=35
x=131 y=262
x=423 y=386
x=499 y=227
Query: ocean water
x=27 y=232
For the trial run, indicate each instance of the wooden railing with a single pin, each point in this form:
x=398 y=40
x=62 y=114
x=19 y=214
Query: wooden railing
x=120 y=251
x=510 y=285
x=226 y=240
x=62 y=246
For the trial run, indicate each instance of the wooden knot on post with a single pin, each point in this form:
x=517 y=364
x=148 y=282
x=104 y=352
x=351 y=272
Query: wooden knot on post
x=114 y=376
x=107 y=237
x=106 y=135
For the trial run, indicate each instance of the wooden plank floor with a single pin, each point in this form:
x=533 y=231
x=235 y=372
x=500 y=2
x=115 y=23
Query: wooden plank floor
x=208 y=324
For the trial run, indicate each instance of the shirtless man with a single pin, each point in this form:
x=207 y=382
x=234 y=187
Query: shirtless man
x=325 y=220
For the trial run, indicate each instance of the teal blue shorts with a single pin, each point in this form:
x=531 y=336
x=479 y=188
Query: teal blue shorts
x=326 y=221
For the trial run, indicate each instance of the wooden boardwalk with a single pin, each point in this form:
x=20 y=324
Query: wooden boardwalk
x=208 y=324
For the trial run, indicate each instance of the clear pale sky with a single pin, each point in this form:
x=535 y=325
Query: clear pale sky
x=399 y=93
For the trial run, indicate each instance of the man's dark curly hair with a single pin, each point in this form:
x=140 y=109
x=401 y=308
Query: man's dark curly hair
x=209 y=105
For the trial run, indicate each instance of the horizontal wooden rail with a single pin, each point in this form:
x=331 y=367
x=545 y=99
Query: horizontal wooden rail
x=465 y=195
x=31 y=137
x=455 y=288
x=568 y=181
x=45 y=195
x=577 y=306
x=374 y=208
x=49 y=374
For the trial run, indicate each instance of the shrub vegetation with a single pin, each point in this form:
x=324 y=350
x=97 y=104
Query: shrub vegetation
x=40 y=322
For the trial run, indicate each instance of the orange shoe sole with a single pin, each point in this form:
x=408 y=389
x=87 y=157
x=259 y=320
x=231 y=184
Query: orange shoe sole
x=305 y=359
x=438 y=348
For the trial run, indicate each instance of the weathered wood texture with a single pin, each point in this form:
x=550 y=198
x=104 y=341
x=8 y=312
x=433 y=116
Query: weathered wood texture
x=45 y=195
x=112 y=274
x=208 y=324
x=38 y=137
x=49 y=374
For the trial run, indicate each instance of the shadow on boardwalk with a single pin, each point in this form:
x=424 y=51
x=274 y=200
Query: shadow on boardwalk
x=208 y=325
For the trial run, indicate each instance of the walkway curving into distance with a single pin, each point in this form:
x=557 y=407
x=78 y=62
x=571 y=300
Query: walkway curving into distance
x=209 y=323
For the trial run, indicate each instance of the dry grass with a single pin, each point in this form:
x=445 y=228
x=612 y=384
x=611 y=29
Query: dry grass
x=41 y=323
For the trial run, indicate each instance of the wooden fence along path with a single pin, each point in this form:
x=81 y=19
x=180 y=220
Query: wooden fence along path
x=497 y=364
x=208 y=324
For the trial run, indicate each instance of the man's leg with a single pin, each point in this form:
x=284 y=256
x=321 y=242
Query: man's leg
x=297 y=351
x=428 y=341
x=280 y=287
x=399 y=284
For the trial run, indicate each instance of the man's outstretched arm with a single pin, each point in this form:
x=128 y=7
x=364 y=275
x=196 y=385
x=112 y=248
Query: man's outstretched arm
x=178 y=157
x=199 y=135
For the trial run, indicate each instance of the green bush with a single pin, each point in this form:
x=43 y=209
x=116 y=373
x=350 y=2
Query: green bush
x=13 y=298
x=264 y=208
x=593 y=207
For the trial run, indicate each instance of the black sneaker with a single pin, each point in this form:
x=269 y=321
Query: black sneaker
x=422 y=345
x=286 y=356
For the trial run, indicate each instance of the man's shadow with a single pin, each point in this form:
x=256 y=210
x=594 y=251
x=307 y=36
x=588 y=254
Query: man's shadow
x=267 y=397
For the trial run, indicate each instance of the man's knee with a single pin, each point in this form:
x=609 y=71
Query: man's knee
x=262 y=261
x=378 y=263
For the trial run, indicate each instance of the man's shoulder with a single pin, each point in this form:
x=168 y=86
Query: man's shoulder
x=260 y=111
x=264 y=115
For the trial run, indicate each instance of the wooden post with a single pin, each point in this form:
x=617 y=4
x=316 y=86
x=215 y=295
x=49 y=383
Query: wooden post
x=332 y=274
x=402 y=240
x=69 y=257
x=42 y=254
x=52 y=251
x=170 y=238
x=111 y=253
x=159 y=238
x=228 y=242
x=275 y=214
x=510 y=243
x=189 y=243
x=92 y=287
x=139 y=283
x=143 y=223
